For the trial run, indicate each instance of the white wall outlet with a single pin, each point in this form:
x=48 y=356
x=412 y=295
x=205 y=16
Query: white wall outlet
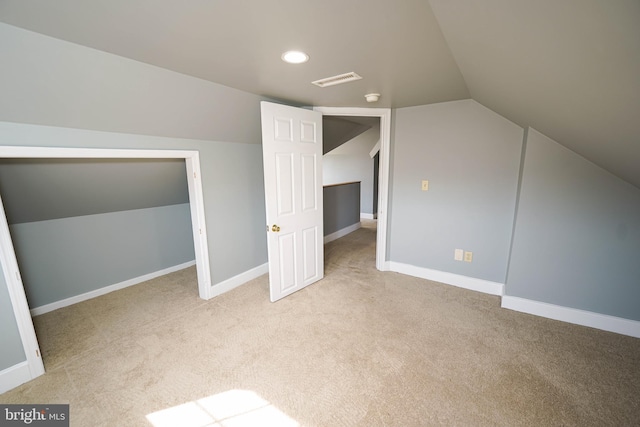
x=457 y=254
x=468 y=256
x=425 y=185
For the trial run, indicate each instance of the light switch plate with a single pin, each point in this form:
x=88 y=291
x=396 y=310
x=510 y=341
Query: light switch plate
x=457 y=254
x=425 y=185
x=468 y=256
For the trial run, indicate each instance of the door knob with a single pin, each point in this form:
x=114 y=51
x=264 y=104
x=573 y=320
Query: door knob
x=275 y=228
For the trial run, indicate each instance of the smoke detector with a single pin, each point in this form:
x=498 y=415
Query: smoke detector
x=372 y=97
x=336 y=80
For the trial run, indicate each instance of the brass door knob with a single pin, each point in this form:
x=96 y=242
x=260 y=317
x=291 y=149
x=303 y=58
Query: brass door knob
x=275 y=228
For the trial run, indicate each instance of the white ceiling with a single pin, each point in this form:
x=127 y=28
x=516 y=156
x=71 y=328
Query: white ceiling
x=570 y=68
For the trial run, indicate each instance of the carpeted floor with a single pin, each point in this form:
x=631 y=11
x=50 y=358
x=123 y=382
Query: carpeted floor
x=359 y=348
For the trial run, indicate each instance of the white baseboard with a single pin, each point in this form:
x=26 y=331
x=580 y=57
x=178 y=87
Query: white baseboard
x=102 y=291
x=573 y=315
x=14 y=375
x=240 y=279
x=341 y=233
x=367 y=215
x=480 y=285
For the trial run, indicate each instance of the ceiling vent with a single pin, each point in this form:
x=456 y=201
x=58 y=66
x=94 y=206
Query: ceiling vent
x=336 y=80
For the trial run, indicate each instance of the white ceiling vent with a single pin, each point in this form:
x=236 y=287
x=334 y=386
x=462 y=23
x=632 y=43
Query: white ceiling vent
x=336 y=80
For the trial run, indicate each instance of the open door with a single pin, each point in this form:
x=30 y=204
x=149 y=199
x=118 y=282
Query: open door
x=292 y=154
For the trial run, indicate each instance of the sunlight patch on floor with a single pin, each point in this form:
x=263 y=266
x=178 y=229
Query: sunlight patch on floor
x=233 y=408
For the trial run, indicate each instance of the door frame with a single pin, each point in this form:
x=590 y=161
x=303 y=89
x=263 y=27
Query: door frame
x=383 y=174
x=33 y=366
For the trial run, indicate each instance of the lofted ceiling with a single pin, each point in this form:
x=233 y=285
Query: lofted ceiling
x=338 y=130
x=570 y=68
x=45 y=189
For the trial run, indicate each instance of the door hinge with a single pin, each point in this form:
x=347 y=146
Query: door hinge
x=37 y=353
x=194 y=175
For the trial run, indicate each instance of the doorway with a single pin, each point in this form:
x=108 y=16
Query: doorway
x=33 y=366
x=384 y=114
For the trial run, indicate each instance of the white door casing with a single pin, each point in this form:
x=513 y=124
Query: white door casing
x=292 y=156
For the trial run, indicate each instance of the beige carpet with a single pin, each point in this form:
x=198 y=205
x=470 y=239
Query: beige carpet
x=359 y=348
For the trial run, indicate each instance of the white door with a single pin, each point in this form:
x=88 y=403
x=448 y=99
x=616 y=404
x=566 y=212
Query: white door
x=292 y=154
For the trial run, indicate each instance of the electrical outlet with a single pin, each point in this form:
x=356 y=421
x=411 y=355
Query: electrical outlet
x=457 y=254
x=468 y=256
x=425 y=185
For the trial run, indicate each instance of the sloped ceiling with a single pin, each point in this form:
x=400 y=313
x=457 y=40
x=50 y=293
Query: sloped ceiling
x=396 y=46
x=338 y=130
x=567 y=68
x=45 y=189
x=570 y=69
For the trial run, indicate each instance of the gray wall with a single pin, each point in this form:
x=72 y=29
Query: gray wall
x=232 y=180
x=471 y=157
x=51 y=82
x=45 y=81
x=11 y=350
x=577 y=234
x=351 y=162
x=341 y=207
x=62 y=258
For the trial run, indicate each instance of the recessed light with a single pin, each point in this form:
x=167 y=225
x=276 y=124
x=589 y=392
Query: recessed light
x=295 y=57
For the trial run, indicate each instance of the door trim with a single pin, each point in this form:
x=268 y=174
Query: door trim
x=383 y=174
x=8 y=260
x=34 y=366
